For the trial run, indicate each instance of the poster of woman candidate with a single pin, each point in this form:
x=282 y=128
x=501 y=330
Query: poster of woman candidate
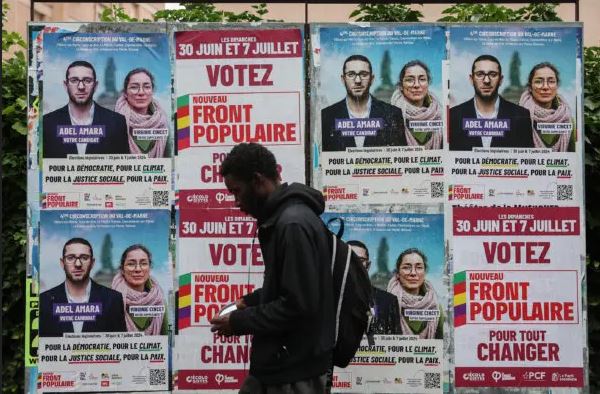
x=404 y=255
x=378 y=112
x=106 y=118
x=515 y=118
x=104 y=302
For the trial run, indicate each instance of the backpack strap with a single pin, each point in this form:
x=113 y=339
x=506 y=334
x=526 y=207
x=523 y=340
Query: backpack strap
x=340 y=232
x=333 y=251
x=342 y=288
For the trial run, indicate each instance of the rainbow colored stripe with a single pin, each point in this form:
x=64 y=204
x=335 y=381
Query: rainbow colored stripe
x=183 y=122
x=460 y=299
x=185 y=301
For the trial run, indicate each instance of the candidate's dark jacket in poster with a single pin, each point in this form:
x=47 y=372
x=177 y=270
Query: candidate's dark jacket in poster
x=391 y=134
x=386 y=319
x=115 y=140
x=518 y=136
x=292 y=317
x=112 y=318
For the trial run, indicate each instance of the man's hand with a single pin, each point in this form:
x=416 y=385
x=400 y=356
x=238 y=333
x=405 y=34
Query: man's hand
x=221 y=326
x=240 y=303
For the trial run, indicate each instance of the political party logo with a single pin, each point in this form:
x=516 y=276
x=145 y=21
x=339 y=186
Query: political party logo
x=342 y=380
x=504 y=377
x=340 y=193
x=534 y=376
x=197 y=379
x=221 y=378
x=466 y=192
x=474 y=376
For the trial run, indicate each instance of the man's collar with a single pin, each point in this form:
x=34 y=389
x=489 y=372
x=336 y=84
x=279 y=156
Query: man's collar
x=496 y=108
x=351 y=115
x=88 y=290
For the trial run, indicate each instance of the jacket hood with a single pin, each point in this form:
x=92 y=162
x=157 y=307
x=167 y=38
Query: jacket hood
x=290 y=194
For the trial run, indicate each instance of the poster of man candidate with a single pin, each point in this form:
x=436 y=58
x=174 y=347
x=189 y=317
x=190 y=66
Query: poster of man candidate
x=518 y=318
x=515 y=114
x=404 y=255
x=106 y=119
x=104 y=302
x=232 y=86
x=378 y=112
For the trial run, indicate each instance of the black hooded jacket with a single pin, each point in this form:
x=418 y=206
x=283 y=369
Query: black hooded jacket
x=291 y=317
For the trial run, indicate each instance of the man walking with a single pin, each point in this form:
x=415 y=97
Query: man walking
x=291 y=317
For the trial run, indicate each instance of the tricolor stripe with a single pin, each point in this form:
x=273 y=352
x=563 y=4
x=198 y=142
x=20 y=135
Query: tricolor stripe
x=183 y=122
x=184 y=301
x=460 y=299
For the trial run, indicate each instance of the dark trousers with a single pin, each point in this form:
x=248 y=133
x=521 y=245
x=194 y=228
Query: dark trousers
x=316 y=385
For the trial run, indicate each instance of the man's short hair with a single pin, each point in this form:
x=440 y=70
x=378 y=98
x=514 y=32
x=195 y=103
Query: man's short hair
x=359 y=244
x=80 y=63
x=246 y=159
x=486 y=57
x=357 y=57
x=78 y=241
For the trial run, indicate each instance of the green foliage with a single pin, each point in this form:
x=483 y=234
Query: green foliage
x=118 y=14
x=537 y=12
x=385 y=13
x=14 y=239
x=591 y=108
x=207 y=12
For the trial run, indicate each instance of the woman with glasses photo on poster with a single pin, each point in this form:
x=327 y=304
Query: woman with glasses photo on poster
x=553 y=125
x=145 y=308
x=147 y=122
x=420 y=312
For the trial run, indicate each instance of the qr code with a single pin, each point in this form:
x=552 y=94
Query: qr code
x=564 y=192
x=437 y=189
x=432 y=380
x=160 y=198
x=158 y=377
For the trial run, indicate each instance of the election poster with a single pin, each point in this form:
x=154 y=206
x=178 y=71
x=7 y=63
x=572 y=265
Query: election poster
x=515 y=115
x=232 y=86
x=104 y=313
x=517 y=283
x=404 y=255
x=378 y=112
x=106 y=138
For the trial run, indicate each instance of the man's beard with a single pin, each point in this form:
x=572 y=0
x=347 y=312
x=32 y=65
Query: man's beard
x=83 y=279
x=489 y=97
x=359 y=97
x=82 y=102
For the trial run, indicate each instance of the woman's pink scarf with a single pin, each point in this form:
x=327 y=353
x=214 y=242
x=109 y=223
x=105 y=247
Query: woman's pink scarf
x=134 y=297
x=412 y=112
x=562 y=114
x=409 y=301
x=156 y=120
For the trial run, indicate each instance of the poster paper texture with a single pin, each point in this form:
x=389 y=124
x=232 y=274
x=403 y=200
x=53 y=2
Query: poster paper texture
x=525 y=147
x=406 y=355
x=107 y=137
x=378 y=139
x=251 y=89
x=113 y=334
x=517 y=301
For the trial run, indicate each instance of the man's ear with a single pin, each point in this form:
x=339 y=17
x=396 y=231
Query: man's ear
x=471 y=79
x=62 y=263
x=501 y=79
